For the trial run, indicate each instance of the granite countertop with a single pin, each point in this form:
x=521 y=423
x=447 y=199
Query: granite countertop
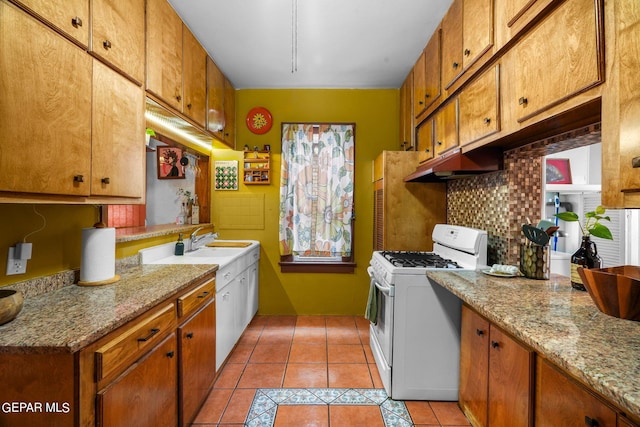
x=69 y=318
x=561 y=324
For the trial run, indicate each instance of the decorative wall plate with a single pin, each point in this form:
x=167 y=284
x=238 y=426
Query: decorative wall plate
x=259 y=120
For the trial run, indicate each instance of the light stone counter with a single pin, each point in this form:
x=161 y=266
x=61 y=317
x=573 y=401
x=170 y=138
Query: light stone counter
x=561 y=324
x=69 y=318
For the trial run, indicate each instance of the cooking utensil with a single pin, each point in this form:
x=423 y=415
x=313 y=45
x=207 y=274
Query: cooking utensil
x=551 y=230
x=544 y=224
x=535 y=235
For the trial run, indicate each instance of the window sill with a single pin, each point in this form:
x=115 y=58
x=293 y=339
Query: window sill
x=317 y=267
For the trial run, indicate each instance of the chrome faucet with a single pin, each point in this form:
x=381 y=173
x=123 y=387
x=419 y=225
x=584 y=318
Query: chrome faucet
x=194 y=238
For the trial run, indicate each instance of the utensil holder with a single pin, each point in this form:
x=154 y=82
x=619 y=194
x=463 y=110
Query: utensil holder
x=535 y=261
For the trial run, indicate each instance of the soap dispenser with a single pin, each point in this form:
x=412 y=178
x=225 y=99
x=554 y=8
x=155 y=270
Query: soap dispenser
x=179 y=246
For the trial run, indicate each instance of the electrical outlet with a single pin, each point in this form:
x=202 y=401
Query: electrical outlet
x=15 y=266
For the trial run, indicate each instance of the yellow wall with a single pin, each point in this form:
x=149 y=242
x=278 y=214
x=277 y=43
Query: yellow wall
x=375 y=113
x=56 y=248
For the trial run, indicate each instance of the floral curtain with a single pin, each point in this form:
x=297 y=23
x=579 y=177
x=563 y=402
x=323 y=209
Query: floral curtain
x=316 y=189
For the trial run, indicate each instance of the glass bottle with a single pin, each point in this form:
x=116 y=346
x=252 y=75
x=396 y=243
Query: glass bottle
x=586 y=256
x=195 y=211
x=179 y=250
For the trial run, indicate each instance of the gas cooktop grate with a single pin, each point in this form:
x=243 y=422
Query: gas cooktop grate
x=418 y=259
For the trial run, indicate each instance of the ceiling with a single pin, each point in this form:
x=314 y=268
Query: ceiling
x=313 y=43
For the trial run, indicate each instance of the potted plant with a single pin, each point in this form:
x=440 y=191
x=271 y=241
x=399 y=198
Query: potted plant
x=587 y=254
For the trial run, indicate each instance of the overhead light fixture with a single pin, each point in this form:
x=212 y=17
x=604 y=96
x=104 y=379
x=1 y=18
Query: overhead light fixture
x=294 y=36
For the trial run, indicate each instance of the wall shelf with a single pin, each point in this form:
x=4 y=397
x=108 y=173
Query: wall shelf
x=257 y=167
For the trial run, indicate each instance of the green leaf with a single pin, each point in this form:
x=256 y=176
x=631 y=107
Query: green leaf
x=601 y=231
x=567 y=216
x=600 y=210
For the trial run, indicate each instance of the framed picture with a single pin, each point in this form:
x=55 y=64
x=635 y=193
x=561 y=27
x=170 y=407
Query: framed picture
x=558 y=171
x=169 y=166
x=226 y=174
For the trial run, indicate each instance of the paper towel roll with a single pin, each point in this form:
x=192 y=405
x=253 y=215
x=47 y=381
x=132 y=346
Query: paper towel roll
x=98 y=263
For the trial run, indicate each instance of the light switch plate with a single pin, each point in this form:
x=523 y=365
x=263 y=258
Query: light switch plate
x=15 y=266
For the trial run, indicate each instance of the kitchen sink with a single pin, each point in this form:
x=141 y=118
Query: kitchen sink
x=164 y=254
x=207 y=252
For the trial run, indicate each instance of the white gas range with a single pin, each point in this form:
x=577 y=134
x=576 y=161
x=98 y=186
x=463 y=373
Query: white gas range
x=415 y=338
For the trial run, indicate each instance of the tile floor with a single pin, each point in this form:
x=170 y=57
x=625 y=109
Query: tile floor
x=296 y=371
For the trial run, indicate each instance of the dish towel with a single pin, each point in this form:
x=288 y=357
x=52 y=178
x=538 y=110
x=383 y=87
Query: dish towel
x=371 y=312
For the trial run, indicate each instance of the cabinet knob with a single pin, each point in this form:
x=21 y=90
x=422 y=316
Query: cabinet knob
x=151 y=334
x=105 y=180
x=78 y=178
x=170 y=354
x=467 y=52
x=523 y=100
x=76 y=22
x=426 y=150
x=420 y=102
x=439 y=142
x=455 y=65
x=495 y=344
x=189 y=335
x=189 y=106
x=487 y=120
x=635 y=162
x=106 y=44
x=479 y=332
x=427 y=96
x=590 y=422
x=178 y=98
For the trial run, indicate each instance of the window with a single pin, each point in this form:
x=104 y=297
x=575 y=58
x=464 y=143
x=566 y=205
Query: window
x=316 y=197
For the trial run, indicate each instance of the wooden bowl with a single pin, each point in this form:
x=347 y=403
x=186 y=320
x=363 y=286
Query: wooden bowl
x=614 y=290
x=10 y=304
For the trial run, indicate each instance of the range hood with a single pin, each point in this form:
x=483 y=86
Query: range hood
x=456 y=164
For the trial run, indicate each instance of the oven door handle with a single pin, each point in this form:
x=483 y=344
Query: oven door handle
x=384 y=289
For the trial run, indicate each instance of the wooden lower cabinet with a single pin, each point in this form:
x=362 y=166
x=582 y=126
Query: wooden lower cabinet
x=197 y=344
x=561 y=402
x=495 y=374
x=145 y=394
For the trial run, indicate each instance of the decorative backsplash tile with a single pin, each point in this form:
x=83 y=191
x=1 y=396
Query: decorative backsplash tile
x=500 y=202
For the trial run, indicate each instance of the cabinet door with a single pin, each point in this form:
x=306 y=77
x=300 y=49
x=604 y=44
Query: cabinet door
x=117 y=35
x=229 y=114
x=446 y=128
x=225 y=321
x=452 y=44
x=118 y=147
x=424 y=136
x=69 y=16
x=197 y=340
x=164 y=53
x=474 y=366
x=432 y=79
x=146 y=394
x=510 y=381
x=46 y=83
x=252 y=291
x=406 y=113
x=479 y=111
x=195 y=78
x=419 y=86
x=560 y=402
x=215 y=97
x=477 y=32
x=548 y=73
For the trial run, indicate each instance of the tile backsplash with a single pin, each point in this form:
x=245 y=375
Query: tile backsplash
x=500 y=202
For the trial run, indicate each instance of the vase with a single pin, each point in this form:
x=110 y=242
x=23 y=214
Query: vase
x=587 y=257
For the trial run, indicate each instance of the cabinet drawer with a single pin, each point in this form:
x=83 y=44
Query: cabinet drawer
x=132 y=342
x=197 y=298
x=226 y=274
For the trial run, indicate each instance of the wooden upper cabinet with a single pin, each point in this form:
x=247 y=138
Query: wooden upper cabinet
x=71 y=17
x=194 y=76
x=118 y=129
x=561 y=402
x=479 y=107
x=46 y=82
x=452 y=44
x=406 y=113
x=419 y=85
x=545 y=72
x=164 y=53
x=117 y=35
x=426 y=76
x=477 y=30
x=229 y=114
x=514 y=16
x=446 y=128
x=424 y=140
x=215 y=97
